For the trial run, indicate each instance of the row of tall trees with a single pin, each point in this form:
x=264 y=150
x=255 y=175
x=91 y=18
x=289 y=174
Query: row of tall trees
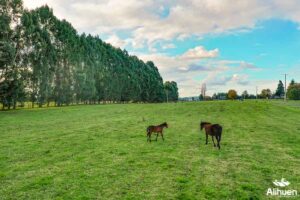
x=43 y=59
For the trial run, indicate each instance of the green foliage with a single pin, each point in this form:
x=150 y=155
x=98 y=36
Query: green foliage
x=11 y=71
x=292 y=82
x=245 y=95
x=201 y=98
x=171 y=91
x=280 y=89
x=232 y=94
x=220 y=96
x=266 y=93
x=100 y=151
x=293 y=91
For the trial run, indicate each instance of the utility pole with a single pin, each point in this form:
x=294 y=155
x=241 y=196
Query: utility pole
x=285 y=87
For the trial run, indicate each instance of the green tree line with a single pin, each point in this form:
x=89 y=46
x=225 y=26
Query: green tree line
x=44 y=59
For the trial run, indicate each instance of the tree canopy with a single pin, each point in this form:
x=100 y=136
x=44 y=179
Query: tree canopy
x=171 y=91
x=232 y=94
x=280 y=89
x=44 y=59
x=293 y=91
x=266 y=93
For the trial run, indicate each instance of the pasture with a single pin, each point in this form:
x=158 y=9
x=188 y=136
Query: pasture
x=101 y=152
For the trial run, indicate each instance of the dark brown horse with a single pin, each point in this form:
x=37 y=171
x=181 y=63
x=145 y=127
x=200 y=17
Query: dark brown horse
x=156 y=129
x=214 y=130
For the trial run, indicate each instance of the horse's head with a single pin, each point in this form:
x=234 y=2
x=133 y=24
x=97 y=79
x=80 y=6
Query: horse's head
x=202 y=124
x=165 y=124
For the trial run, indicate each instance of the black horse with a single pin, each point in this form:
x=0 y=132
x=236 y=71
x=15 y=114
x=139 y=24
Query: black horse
x=213 y=130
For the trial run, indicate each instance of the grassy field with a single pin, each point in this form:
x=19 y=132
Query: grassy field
x=100 y=151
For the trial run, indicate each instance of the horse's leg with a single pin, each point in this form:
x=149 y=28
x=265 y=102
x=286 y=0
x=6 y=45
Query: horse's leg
x=150 y=137
x=206 y=138
x=156 y=136
x=212 y=137
x=219 y=139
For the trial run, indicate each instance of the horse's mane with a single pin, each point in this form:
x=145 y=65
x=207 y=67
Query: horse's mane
x=163 y=124
x=204 y=123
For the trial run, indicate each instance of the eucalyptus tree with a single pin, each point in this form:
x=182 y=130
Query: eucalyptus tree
x=171 y=91
x=11 y=79
x=39 y=53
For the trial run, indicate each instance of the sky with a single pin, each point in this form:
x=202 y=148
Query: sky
x=225 y=44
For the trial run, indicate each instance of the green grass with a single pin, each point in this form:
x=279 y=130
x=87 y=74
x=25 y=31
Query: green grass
x=100 y=151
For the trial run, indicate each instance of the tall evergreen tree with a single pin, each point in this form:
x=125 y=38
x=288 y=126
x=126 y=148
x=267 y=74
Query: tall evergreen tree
x=11 y=72
x=171 y=91
x=280 y=89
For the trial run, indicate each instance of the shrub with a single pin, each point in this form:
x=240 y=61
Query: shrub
x=293 y=91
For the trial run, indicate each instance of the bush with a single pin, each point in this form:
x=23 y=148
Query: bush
x=232 y=94
x=293 y=91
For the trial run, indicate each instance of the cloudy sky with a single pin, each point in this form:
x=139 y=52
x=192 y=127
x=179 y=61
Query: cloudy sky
x=223 y=43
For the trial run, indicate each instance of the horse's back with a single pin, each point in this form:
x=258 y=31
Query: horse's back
x=153 y=128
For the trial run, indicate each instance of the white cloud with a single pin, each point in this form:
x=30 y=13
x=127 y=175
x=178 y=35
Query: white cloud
x=188 y=61
x=168 y=46
x=116 y=41
x=199 y=52
x=182 y=37
x=219 y=75
x=31 y=4
x=185 y=18
x=245 y=65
